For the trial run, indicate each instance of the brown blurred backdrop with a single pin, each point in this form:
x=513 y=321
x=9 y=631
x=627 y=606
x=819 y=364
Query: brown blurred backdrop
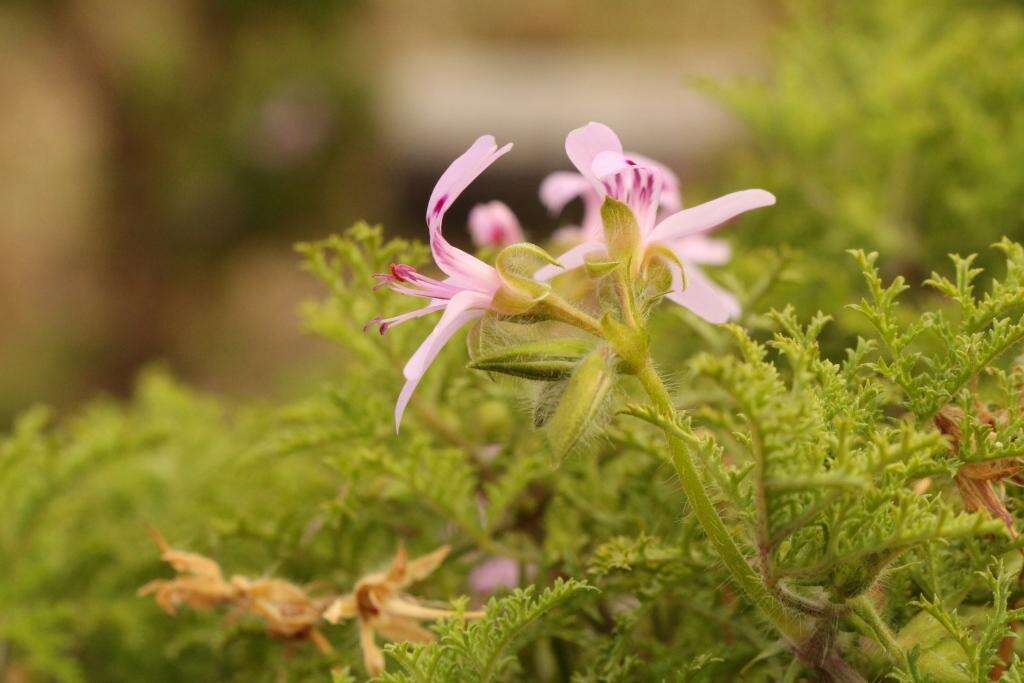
x=159 y=158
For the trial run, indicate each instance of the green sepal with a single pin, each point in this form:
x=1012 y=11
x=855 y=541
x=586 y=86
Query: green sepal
x=600 y=266
x=547 y=360
x=581 y=403
x=516 y=264
x=657 y=268
x=621 y=230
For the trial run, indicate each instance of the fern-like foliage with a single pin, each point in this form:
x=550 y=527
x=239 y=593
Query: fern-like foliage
x=932 y=360
x=828 y=470
x=484 y=650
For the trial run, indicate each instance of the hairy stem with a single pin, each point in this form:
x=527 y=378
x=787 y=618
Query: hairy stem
x=560 y=309
x=785 y=620
x=626 y=299
x=878 y=630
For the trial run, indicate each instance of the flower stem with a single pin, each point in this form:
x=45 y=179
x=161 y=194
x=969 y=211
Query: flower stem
x=626 y=299
x=560 y=309
x=785 y=620
x=862 y=607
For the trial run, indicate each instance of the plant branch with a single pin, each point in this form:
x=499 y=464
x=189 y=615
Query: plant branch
x=785 y=620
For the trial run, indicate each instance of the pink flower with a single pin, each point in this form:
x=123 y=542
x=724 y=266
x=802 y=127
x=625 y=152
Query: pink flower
x=561 y=187
x=646 y=186
x=493 y=575
x=470 y=286
x=494 y=225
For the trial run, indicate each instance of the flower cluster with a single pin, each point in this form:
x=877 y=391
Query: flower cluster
x=633 y=218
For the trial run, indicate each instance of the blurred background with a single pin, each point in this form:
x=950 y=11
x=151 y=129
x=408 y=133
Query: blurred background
x=159 y=159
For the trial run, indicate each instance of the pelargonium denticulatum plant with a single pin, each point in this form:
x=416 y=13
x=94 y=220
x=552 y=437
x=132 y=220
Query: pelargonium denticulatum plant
x=584 y=460
x=807 y=565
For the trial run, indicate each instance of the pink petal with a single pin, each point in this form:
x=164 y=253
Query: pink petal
x=701 y=249
x=574 y=258
x=493 y=575
x=632 y=183
x=610 y=162
x=708 y=215
x=460 y=173
x=462 y=308
x=702 y=296
x=671 y=200
x=494 y=225
x=567 y=235
x=560 y=188
x=584 y=144
x=466 y=271
x=593 y=224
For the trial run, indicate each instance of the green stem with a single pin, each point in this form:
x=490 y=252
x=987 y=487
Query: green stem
x=863 y=608
x=785 y=620
x=628 y=303
x=560 y=309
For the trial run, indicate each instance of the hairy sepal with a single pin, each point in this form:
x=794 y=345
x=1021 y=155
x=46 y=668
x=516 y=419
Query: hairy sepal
x=621 y=230
x=519 y=292
x=657 y=270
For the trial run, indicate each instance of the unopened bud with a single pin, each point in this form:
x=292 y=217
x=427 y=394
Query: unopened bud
x=548 y=360
x=582 y=402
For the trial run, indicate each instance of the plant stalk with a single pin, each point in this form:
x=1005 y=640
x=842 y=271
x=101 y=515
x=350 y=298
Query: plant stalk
x=560 y=309
x=785 y=620
x=862 y=607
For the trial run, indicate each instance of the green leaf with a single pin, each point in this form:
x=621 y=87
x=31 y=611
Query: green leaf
x=483 y=650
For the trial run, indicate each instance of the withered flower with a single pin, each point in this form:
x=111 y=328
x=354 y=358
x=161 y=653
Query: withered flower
x=379 y=604
x=287 y=610
x=980 y=483
x=200 y=583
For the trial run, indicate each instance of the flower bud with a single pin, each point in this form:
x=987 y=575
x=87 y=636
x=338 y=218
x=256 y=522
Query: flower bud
x=494 y=225
x=581 y=403
x=547 y=360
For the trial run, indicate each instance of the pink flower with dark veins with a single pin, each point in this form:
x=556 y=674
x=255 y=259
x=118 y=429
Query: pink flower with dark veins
x=561 y=187
x=494 y=225
x=651 y=191
x=469 y=286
